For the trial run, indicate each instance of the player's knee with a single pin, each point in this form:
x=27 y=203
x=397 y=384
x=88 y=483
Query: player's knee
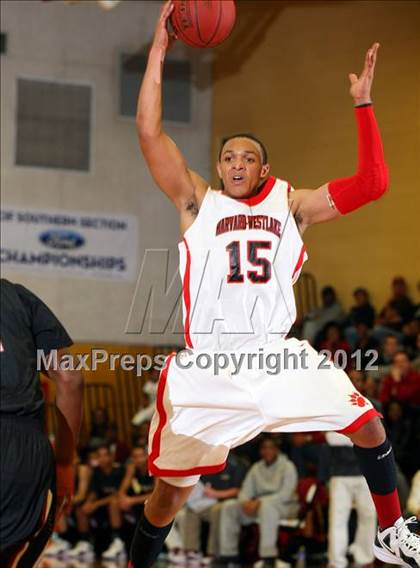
x=370 y=435
x=168 y=498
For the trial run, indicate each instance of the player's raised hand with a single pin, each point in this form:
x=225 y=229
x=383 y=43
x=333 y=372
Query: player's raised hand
x=360 y=86
x=163 y=38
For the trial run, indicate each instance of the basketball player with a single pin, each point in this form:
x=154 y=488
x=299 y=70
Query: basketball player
x=241 y=244
x=34 y=485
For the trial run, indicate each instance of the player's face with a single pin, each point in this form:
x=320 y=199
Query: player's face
x=241 y=167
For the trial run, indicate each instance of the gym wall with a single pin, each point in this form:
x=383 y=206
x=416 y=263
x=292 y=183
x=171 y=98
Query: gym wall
x=283 y=75
x=82 y=44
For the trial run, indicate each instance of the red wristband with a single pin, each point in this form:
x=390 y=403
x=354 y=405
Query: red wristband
x=371 y=179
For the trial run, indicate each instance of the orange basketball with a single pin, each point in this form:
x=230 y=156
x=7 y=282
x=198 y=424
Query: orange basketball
x=203 y=23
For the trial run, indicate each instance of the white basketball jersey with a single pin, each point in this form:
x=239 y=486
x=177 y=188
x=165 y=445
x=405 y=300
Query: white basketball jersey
x=238 y=263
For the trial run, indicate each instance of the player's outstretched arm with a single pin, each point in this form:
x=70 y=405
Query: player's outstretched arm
x=166 y=163
x=370 y=182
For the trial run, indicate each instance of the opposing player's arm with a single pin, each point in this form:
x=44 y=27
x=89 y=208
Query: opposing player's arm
x=166 y=163
x=370 y=181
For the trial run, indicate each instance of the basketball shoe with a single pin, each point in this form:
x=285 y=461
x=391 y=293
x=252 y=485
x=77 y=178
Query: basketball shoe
x=398 y=545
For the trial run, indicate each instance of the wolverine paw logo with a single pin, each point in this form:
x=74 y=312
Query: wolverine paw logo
x=357 y=400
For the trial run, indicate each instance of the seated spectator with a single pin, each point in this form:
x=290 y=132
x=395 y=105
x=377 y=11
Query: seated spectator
x=334 y=342
x=267 y=495
x=390 y=347
x=146 y=411
x=99 y=425
x=97 y=510
x=399 y=430
x=371 y=391
x=413 y=503
x=216 y=488
x=60 y=541
x=120 y=450
x=403 y=382
x=398 y=310
x=136 y=486
x=416 y=360
x=366 y=348
x=411 y=331
x=140 y=434
x=348 y=488
x=400 y=300
x=316 y=320
x=361 y=313
x=304 y=451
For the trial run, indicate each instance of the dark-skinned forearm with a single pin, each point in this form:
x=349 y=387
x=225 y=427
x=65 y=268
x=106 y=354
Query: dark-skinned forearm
x=149 y=106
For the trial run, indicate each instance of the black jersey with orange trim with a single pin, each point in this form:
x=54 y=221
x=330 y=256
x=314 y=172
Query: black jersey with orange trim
x=26 y=326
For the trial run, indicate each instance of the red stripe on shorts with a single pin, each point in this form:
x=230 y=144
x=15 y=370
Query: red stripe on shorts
x=156 y=441
x=361 y=421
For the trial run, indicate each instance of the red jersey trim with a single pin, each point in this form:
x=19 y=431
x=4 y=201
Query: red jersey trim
x=299 y=263
x=156 y=441
x=187 y=296
x=361 y=421
x=264 y=192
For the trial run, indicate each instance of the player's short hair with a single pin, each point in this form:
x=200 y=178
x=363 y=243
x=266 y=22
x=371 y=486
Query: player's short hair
x=250 y=137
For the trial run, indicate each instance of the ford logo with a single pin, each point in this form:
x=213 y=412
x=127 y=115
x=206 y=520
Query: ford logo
x=62 y=239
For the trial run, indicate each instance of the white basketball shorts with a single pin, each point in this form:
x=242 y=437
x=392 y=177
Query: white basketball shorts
x=200 y=414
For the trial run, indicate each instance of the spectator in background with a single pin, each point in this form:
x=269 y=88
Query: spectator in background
x=371 y=391
x=416 y=360
x=136 y=486
x=413 y=503
x=403 y=382
x=217 y=487
x=361 y=313
x=400 y=300
x=366 y=386
x=104 y=484
x=331 y=311
x=398 y=310
x=59 y=543
x=267 y=494
x=145 y=412
x=365 y=347
x=411 y=331
x=348 y=488
x=333 y=342
x=141 y=434
x=390 y=347
x=99 y=426
x=399 y=428
x=120 y=450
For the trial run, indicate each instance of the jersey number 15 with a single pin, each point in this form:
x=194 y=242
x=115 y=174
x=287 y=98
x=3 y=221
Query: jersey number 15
x=261 y=275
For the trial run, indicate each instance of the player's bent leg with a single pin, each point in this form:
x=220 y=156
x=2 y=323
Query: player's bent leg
x=395 y=543
x=156 y=521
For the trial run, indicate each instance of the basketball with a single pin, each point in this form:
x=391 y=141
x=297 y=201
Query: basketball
x=203 y=23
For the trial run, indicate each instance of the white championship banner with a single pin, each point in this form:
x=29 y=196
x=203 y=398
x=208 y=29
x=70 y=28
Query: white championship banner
x=69 y=243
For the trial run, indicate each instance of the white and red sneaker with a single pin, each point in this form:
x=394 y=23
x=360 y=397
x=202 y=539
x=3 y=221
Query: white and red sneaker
x=398 y=544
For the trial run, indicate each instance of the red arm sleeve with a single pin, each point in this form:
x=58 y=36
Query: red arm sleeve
x=371 y=178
